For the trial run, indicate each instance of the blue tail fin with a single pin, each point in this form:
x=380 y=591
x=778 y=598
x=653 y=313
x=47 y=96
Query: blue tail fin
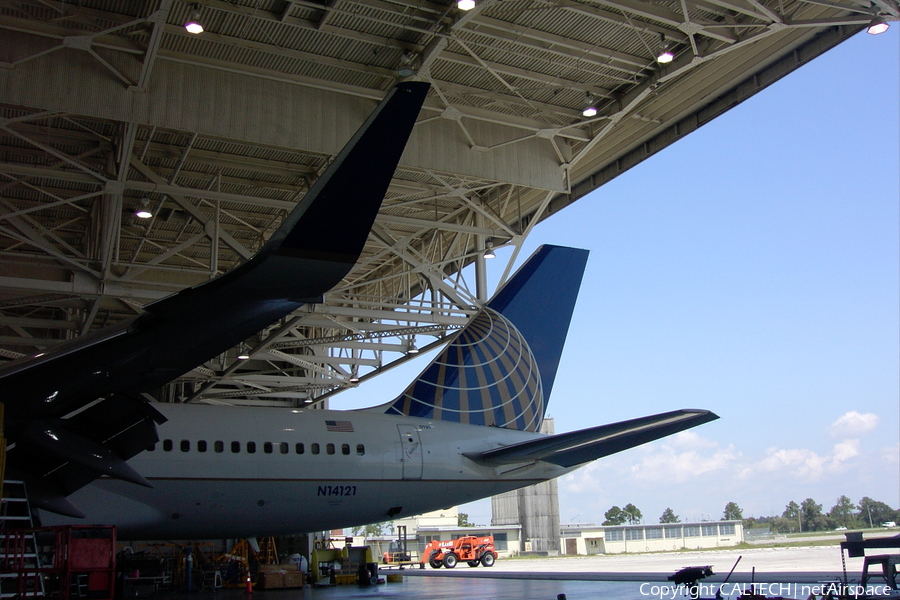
x=499 y=369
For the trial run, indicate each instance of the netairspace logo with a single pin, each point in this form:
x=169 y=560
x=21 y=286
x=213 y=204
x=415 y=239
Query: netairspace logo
x=785 y=590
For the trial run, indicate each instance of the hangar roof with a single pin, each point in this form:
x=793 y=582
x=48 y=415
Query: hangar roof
x=108 y=105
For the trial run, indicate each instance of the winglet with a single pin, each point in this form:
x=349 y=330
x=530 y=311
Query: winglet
x=323 y=236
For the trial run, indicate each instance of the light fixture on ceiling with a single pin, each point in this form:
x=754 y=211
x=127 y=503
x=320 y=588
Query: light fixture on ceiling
x=243 y=354
x=465 y=4
x=878 y=25
x=354 y=374
x=665 y=55
x=489 y=251
x=193 y=24
x=406 y=68
x=143 y=211
x=590 y=106
x=412 y=349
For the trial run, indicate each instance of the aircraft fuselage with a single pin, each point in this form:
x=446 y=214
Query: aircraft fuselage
x=233 y=472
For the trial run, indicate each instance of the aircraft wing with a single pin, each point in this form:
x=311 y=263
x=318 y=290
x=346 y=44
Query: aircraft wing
x=578 y=447
x=57 y=451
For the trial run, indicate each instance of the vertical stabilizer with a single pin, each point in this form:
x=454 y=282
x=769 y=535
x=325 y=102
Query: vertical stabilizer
x=499 y=369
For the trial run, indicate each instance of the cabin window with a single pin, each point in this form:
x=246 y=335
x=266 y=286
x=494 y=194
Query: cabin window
x=314 y=448
x=251 y=447
x=267 y=447
x=285 y=448
x=185 y=445
x=167 y=445
x=235 y=447
x=299 y=449
x=201 y=446
x=329 y=448
x=345 y=449
x=219 y=446
x=360 y=449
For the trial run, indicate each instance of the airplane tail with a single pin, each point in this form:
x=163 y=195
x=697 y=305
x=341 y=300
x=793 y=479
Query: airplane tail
x=499 y=370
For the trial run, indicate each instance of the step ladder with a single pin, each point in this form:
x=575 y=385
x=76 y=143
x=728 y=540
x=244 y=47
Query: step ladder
x=20 y=562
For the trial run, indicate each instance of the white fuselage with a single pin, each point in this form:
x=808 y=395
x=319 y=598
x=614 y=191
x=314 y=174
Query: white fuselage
x=225 y=472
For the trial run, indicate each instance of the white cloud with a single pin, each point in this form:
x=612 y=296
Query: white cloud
x=854 y=423
x=691 y=440
x=844 y=451
x=804 y=463
x=683 y=457
x=891 y=454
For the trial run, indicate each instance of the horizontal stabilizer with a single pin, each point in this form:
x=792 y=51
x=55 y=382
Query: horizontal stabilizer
x=54 y=503
x=578 y=447
x=53 y=437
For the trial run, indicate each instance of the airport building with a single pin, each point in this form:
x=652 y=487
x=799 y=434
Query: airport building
x=619 y=539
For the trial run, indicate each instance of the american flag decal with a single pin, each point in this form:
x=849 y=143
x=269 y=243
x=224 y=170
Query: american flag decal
x=340 y=426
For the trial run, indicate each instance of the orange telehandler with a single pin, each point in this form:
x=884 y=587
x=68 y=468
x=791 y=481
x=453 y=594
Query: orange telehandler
x=472 y=549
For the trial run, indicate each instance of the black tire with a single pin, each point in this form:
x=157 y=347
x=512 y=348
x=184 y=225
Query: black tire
x=450 y=560
x=435 y=561
x=472 y=563
x=487 y=560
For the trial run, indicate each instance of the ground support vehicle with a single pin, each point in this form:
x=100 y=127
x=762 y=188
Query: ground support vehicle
x=474 y=550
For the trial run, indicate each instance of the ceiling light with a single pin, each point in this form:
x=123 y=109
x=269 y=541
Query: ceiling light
x=243 y=356
x=590 y=108
x=665 y=55
x=406 y=68
x=877 y=26
x=465 y=4
x=193 y=24
x=143 y=211
x=412 y=347
x=489 y=251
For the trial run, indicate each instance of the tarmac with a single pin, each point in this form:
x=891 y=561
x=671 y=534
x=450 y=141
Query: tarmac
x=789 y=565
x=786 y=572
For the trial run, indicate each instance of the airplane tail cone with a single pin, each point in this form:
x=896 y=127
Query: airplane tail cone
x=498 y=370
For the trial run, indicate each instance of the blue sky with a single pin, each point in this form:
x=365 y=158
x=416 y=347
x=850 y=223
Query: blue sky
x=752 y=269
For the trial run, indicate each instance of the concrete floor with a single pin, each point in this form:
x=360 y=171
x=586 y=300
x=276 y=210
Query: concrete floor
x=797 y=571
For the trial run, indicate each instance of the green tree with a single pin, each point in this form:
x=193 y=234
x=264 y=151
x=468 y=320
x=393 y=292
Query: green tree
x=462 y=520
x=791 y=511
x=372 y=529
x=732 y=512
x=669 y=516
x=873 y=513
x=811 y=516
x=614 y=516
x=633 y=514
x=843 y=514
x=790 y=518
